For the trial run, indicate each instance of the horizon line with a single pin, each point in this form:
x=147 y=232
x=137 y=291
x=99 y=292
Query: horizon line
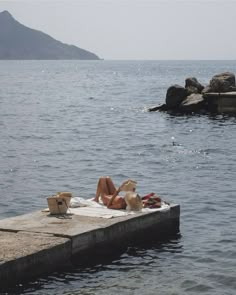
x=102 y=59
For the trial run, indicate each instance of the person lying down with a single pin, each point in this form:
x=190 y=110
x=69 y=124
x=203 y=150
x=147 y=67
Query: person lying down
x=109 y=195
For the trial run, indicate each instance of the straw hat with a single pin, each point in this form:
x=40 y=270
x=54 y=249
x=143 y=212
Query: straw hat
x=129 y=186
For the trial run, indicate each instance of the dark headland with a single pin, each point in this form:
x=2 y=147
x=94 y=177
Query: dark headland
x=20 y=42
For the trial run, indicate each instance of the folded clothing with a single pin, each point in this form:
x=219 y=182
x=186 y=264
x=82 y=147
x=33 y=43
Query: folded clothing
x=152 y=201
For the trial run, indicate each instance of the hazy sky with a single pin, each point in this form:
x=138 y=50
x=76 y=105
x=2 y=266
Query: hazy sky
x=136 y=29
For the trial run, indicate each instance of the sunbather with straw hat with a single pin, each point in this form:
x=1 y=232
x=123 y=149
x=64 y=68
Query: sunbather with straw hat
x=109 y=194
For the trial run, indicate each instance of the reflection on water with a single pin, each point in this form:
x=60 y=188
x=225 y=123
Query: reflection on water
x=93 y=275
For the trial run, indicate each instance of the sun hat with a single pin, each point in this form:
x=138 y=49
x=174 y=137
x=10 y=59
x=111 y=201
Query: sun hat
x=129 y=186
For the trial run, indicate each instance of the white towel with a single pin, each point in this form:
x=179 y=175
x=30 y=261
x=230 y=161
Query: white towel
x=83 y=207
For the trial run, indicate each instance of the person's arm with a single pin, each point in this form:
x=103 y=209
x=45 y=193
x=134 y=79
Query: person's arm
x=117 y=192
x=113 y=197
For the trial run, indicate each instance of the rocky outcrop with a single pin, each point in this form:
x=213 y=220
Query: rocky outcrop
x=195 y=98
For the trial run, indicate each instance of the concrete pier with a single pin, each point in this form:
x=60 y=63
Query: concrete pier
x=38 y=243
x=222 y=102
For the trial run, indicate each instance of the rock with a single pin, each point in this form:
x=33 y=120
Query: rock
x=162 y=107
x=193 y=103
x=192 y=89
x=223 y=82
x=193 y=86
x=175 y=95
x=207 y=89
x=232 y=88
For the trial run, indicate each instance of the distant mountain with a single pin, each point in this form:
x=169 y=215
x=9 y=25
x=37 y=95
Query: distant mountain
x=20 y=42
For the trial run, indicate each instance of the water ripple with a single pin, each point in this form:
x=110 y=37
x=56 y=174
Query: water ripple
x=91 y=120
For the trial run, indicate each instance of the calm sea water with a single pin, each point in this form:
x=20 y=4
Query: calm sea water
x=64 y=124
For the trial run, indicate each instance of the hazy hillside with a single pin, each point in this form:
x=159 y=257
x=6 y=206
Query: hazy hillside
x=20 y=42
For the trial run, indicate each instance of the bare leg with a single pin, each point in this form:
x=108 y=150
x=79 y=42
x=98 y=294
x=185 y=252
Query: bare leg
x=105 y=187
x=110 y=185
x=101 y=187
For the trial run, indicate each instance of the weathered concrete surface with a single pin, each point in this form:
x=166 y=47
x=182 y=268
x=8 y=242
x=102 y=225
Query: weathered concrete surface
x=86 y=232
x=120 y=230
x=37 y=242
x=41 y=222
x=25 y=254
x=222 y=102
x=231 y=94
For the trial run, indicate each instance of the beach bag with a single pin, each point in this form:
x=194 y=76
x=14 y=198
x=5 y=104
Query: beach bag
x=60 y=203
x=66 y=196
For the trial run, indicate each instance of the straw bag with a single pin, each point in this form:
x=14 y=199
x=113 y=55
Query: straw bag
x=60 y=203
x=66 y=196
